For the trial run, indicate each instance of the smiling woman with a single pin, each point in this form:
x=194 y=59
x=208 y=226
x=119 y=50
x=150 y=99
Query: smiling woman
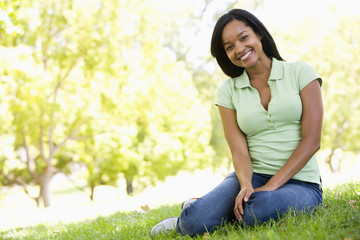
x=244 y=33
x=243 y=47
x=273 y=154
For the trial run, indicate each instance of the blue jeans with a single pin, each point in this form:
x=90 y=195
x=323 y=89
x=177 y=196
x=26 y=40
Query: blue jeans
x=216 y=207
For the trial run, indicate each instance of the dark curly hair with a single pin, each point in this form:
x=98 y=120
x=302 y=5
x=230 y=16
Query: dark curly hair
x=217 y=48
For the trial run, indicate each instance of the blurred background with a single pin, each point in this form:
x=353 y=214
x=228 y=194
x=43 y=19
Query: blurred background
x=109 y=105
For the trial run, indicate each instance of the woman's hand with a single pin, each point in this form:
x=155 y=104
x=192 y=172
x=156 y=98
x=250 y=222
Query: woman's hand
x=242 y=197
x=265 y=188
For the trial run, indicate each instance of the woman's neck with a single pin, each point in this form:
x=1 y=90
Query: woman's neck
x=261 y=70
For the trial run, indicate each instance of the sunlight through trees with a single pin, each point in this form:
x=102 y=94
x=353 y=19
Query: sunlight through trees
x=107 y=91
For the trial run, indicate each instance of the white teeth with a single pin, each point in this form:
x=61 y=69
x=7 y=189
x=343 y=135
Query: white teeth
x=246 y=55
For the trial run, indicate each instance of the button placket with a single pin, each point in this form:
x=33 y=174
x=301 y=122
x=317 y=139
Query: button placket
x=271 y=85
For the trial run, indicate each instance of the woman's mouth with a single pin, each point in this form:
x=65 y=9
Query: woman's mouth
x=246 y=55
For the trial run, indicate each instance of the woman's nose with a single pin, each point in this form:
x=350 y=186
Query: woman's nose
x=239 y=47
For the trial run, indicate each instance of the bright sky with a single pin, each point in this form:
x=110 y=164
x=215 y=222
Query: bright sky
x=275 y=12
x=288 y=11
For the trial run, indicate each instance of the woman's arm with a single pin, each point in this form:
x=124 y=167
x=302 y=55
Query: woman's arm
x=240 y=155
x=311 y=127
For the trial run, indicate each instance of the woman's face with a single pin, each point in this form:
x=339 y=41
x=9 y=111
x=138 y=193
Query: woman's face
x=242 y=45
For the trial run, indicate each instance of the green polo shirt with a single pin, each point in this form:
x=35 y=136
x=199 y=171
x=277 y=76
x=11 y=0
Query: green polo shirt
x=272 y=135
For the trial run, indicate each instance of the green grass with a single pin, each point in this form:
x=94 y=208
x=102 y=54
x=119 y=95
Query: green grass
x=339 y=218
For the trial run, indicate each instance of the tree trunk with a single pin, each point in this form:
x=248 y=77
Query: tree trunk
x=333 y=162
x=37 y=200
x=92 y=192
x=129 y=186
x=45 y=180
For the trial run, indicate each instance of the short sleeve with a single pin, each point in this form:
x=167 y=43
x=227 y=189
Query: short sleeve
x=306 y=74
x=224 y=94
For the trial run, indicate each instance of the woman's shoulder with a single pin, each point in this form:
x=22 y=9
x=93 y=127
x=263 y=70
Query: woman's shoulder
x=303 y=72
x=298 y=65
x=228 y=84
x=224 y=93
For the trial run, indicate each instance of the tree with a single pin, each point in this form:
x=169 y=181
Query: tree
x=95 y=85
x=8 y=21
x=207 y=75
x=149 y=111
x=341 y=73
x=335 y=59
x=46 y=81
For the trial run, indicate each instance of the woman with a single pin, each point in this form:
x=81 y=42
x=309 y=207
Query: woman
x=272 y=114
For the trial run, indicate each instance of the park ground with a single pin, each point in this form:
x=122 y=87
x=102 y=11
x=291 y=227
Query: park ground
x=72 y=205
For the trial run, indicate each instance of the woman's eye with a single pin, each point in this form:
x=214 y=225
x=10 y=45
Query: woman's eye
x=243 y=38
x=228 y=48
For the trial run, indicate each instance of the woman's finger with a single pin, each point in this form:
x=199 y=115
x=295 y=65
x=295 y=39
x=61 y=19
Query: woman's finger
x=238 y=209
x=247 y=196
x=237 y=213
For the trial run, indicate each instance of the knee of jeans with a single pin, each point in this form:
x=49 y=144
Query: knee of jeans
x=257 y=208
x=249 y=216
x=190 y=225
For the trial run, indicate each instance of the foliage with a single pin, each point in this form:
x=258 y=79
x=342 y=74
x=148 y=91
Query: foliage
x=83 y=88
x=338 y=218
x=108 y=88
x=336 y=60
x=341 y=73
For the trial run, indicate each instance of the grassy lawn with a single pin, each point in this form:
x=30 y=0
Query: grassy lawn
x=339 y=218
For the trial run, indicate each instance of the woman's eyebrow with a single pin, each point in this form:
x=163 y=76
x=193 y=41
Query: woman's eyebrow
x=236 y=36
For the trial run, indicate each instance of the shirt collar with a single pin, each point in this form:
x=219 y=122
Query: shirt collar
x=277 y=73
